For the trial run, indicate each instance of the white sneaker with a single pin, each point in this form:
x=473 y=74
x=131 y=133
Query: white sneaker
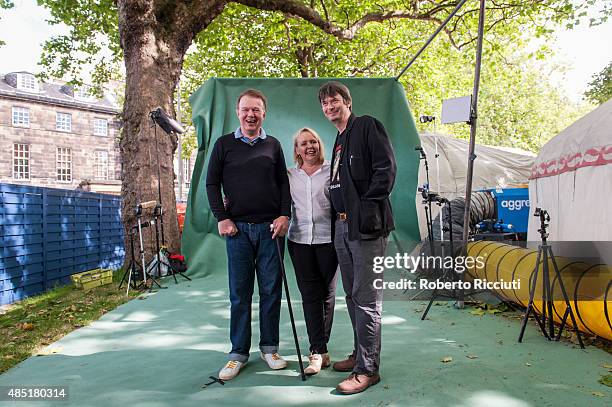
x=230 y=370
x=274 y=360
x=316 y=361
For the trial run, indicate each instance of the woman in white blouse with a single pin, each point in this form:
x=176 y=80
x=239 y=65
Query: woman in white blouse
x=310 y=243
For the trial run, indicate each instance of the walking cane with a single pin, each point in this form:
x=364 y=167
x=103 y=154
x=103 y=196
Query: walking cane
x=295 y=337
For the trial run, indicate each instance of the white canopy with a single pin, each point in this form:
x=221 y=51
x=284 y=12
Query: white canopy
x=572 y=179
x=494 y=167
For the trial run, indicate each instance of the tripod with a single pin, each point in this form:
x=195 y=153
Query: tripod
x=140 y=225
x=133 y=269
x=424 y=190
x=545 y=254
x=440 y=200
x=158 y=261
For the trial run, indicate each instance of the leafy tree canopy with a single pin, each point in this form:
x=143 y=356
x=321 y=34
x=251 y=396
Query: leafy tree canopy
x=93 y=40
x=599 y=90
x=518 y=106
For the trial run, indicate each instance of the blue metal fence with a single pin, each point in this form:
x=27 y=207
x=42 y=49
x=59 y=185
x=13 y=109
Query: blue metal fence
x=48 y=234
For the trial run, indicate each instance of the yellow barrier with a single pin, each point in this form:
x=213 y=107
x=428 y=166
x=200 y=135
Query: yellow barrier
x=589 y=287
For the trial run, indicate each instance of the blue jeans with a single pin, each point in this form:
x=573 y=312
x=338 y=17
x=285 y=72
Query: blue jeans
x=252 y=251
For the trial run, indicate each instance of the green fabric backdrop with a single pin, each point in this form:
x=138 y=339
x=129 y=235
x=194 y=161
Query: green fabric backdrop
x=292 y=104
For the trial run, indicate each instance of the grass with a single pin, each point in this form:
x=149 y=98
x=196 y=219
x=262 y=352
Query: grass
x=28 y=326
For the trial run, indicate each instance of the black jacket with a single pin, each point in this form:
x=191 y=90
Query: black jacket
x=367 y=175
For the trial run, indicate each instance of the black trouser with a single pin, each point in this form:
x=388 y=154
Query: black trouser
x=316 y=272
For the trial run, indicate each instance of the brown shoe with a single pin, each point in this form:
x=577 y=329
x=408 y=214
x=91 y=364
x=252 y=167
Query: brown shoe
x=356 y=383
x=345 y=365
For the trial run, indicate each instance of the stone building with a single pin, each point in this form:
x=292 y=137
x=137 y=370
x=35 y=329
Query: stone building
x=53 y=135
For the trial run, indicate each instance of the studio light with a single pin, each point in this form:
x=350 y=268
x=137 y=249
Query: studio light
x=168 y=124
x=427 y=119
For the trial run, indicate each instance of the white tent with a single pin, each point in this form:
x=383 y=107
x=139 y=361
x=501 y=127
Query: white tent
x=493 y=167
x=572 y=179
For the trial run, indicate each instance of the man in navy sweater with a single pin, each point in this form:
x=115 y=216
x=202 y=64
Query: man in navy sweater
x=250 y=167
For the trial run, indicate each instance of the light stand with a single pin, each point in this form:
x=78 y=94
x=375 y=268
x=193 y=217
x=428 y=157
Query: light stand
x=140 y=226
x=134 y=268
x=157 y=212
x=425 y=191
x=170 y=126
x=439 y=201
x=545 y=254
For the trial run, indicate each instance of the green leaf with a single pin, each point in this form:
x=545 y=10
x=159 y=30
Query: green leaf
x=606 y=380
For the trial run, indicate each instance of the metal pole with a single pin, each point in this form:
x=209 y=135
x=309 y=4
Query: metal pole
x=451 y=15
x=437 y=157
x=180 y=146
x=473 y=118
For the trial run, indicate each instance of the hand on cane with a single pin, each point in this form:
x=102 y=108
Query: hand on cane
x=279 y=226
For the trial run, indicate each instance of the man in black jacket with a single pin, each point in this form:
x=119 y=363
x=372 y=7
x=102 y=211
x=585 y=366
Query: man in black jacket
x=250 y=166
x=362 y=177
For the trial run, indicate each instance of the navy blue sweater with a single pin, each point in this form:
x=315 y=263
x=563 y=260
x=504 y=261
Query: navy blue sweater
x=253 y=177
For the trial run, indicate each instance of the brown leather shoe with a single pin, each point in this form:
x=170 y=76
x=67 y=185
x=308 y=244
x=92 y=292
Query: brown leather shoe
x=356 y=383
x=345 y=365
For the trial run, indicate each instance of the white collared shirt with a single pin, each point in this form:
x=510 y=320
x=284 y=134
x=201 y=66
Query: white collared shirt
x=310 y=206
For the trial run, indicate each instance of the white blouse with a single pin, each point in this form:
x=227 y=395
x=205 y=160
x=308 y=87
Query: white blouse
x=311 y=206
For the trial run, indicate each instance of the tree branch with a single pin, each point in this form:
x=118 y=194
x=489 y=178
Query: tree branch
x=312 y=16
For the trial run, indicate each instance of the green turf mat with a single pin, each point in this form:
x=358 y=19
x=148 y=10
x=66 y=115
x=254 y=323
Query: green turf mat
x=159 y=351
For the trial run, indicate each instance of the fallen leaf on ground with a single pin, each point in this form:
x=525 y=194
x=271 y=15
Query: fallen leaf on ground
x=446 y=359
x=49 y=351
x=606 y=380
x=26 y=326
x=477 y=311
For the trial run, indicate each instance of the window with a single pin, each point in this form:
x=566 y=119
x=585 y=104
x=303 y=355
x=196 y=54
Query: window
x=64 y=164
x=84 y=93
x=63 y=121
x=21 y=161
x=21 y=116
x=101 y=165
x=27 y=81
x=100 y=127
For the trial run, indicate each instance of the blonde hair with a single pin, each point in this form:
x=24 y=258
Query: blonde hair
x=296 y=157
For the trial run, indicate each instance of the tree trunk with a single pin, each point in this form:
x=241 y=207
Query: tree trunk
x=155 y=36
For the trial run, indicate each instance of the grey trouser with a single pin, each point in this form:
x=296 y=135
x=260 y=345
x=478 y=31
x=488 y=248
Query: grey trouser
x=364 y=302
